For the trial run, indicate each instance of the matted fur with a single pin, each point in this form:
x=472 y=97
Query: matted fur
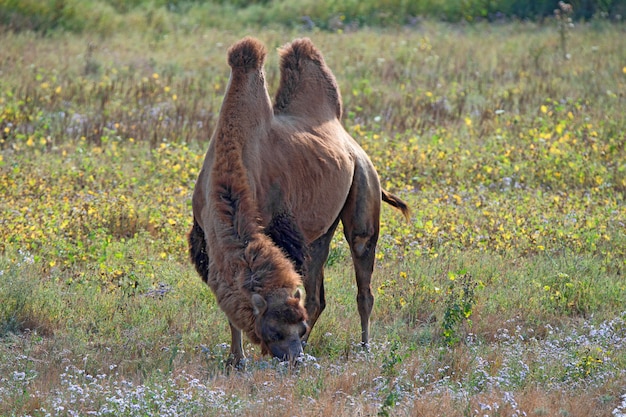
x=275 y=182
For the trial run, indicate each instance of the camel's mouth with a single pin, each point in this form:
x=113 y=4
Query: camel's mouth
x=289 y=351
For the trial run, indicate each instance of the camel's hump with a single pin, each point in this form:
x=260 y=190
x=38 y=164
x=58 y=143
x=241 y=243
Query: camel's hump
x=297 y=50
x=248 y=53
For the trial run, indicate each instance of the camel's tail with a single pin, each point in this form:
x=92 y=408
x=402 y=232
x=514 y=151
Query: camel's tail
x=396 y=202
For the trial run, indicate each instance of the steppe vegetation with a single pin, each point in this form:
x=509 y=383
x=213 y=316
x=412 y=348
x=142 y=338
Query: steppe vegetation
x=504 y=295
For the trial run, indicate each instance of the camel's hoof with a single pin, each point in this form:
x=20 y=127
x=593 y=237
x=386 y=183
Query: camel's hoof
x=235 y=364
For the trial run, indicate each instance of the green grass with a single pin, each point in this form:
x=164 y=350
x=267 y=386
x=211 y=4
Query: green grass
x=503 y=294
x=163 y=17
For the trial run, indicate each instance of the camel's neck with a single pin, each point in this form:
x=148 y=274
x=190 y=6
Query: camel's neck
x=245 y=119
x=244 y=257
x=248 y=258
x=245 y=116
x=246 y=111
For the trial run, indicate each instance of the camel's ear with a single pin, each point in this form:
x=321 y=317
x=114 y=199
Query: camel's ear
x=297 y=295
x=259 y=304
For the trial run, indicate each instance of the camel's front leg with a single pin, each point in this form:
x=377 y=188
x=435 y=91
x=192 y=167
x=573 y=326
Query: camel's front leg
x=236 y=348
x=314 y=277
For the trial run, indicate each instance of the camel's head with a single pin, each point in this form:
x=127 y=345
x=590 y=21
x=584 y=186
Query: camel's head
x=280 y=324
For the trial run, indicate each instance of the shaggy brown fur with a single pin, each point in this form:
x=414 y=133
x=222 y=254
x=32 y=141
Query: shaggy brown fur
x=275 y=183
x=243 y=260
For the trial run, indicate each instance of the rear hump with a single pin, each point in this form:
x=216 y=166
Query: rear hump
x=307 y=86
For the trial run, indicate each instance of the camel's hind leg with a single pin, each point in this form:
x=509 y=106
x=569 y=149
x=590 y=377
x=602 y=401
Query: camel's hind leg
x=314 y=277
x=361 y=224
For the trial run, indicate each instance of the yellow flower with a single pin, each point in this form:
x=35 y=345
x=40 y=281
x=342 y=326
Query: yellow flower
x=559 y=128
x=468 y=121
x=544 y=109
x=155 y=76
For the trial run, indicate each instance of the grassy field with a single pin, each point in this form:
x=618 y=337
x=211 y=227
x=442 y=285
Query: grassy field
x=503 y=296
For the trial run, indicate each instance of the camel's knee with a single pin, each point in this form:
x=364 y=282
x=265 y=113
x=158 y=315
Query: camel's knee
x=315 y=301
x=314 y=307
x=363 y=244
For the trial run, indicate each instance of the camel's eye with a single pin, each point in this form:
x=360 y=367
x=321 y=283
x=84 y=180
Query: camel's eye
x=272 y=335
x=276 y=336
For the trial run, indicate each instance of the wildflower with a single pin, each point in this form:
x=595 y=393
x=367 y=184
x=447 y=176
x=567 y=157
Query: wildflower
x=19 y=376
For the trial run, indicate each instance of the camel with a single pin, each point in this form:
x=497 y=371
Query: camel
x=275 y=182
